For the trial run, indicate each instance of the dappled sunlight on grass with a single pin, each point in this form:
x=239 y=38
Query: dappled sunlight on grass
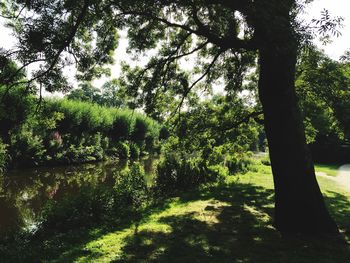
x=111 y=245
x=227 y=222
x=230 y=222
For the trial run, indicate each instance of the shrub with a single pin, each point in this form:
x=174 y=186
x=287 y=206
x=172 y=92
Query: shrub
x=120 y=150
x=131 y=187
x=121 y=128
x=27 y=149
x=238 y=163
x=177 y=173
x=16 y=104
x=139 y=130
x=66 y=131
x=82 y=154
x=93 y=205
x=90 y=206
x=134 y=151
x=105 y=143
x=231 y=156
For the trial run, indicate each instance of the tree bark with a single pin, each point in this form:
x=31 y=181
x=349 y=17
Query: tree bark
x=299 y=204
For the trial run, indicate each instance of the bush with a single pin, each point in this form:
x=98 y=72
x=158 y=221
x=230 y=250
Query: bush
x=121 y=128
x=90 y=206
x=83 y=154
x=177 y=173
x=120 y=150
x=94 y=205
x=134 y=151
x=16 y=104
x=27 y=149
x=139 y=130
x=66 y=131
x=131 y=188
x=238 y=163
x=235 y=159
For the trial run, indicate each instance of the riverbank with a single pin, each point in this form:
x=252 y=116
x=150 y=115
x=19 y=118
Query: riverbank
x=226 y=222
x=25 y=193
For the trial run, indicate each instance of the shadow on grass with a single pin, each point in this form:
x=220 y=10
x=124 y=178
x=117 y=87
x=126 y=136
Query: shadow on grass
x=242 y=232
x=233 y=225
x=67 y=244
x=339 y=207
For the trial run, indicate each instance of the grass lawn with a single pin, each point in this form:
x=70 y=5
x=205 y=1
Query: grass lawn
x=329 y=169
x=228 y=222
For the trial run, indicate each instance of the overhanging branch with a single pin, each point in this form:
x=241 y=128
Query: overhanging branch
x=222 y=42
x=188 y=90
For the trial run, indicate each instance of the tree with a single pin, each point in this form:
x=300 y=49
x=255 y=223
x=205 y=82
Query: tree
x=222 y=34
x=323 y=88
x=85 y=92
x=15 y=103
x=327 y=81
x=115 y=95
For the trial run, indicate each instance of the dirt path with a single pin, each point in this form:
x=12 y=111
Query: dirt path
x=342 y=178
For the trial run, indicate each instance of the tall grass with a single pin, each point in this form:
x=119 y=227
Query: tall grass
x=66 y=131
x=88 y=118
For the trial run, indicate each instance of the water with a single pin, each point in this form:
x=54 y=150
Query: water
x=24 y=192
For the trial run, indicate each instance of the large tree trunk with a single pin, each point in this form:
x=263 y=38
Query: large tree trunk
x=299 y=204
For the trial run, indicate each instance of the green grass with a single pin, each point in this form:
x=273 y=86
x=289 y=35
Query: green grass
x=228 y=222
x=329 y=169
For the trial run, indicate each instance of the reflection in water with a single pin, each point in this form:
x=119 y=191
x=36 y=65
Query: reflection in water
x=23 y=193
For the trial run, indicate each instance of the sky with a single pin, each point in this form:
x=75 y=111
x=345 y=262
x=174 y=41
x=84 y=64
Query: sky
x=334 y=50
x=336 y=8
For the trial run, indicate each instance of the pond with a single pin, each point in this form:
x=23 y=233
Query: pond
x=24 y=192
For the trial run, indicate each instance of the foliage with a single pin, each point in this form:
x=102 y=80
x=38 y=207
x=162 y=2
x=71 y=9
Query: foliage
x=231 y=156
x=27 y=148
x=85 y=33
x=3 y=157
x=88 y=207
x=134 y=151
x=121 y=150
x=139 y=130
x=178 y=173
x=131 y=188
x=322 y=85
x=65 y=131
x=15 y=107
x=96 y=204
x=211 y=140
x=85 y=92
x=164 y=133
x=111 y=94
x=121 y=127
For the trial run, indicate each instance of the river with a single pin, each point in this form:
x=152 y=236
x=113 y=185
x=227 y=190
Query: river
x=24 y=192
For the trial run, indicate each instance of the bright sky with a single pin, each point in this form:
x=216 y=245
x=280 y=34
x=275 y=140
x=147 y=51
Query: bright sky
x=336 y=8
x=334 y=50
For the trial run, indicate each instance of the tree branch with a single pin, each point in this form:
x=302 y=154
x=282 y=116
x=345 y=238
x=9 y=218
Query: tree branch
x=246 y=119
x=224 y=43
x=207 y=71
